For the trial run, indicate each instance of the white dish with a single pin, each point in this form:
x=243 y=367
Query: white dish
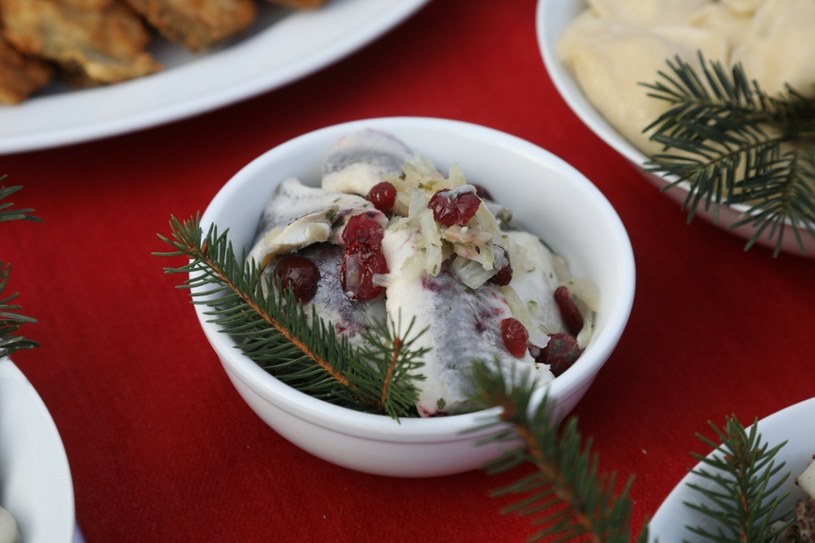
x=35 y=480
x=793 y=424
x=546 y=196
x=281 y=47
x=552 y=17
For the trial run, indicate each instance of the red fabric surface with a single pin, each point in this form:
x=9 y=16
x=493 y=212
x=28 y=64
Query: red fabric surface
x=160 y=445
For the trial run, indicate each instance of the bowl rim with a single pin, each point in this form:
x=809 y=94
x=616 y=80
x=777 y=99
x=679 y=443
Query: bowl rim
x=773 y=430
x=434 y=429
x=51 y=450
x=571 y=93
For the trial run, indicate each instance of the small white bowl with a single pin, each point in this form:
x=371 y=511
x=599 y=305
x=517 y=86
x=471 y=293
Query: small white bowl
x=35 y=480
x=792 y=425
x=552 y=18
x=547 y=196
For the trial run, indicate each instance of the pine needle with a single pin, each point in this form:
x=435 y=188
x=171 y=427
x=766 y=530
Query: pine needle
x=11 y=320
x=735 y=144
x=566 y=495
x=300 y=349
x=7 y=210
x=740 y=488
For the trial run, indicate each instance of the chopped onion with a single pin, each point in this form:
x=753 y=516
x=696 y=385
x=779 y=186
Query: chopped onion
x=519 y=311
x=584 y=291
x=470 y=272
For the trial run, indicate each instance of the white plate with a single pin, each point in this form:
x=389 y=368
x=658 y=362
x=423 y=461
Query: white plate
x=35 y=480
x=793 y=424
x=281 y=46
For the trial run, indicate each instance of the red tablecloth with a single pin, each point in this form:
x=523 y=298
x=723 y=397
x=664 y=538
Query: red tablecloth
x=160 y=445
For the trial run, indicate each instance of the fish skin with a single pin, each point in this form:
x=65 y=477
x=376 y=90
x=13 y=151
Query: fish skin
x=298 y=216
x=462 y=325
x=360 y=160
x=348 y=317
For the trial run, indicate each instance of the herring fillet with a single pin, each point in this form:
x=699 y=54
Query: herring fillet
x=462 y=324
x=297 y=216
x=362 y=159
x=348 y=317
x=309 y=221
x=534 y=279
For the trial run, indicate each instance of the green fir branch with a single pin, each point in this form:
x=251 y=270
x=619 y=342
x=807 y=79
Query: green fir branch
x=7 y=210
x=735 y=144
x=399 y=371
x=11 y=320
x=299 y=348
x=740 y=487
x=566 y=495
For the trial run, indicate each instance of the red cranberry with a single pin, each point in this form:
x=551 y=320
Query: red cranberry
x=515 y=337
x=357 y=274
x=560 y=353
x=365 y=229
x=503 y=276
x=451 y=207
x=568 y=310
x=362 y=257
x=382 y=196
x=299 y=274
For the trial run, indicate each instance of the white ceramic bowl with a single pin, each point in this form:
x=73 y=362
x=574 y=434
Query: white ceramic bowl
x=552 y=17
x=793 y=425
x=547 y=196
x=35 y=480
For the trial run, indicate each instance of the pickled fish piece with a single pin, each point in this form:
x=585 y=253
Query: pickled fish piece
x=94 y=41
x=298 y=216
x=20 y=75
x=362 y=159
x=463 y=325
x=197 y=24
x=534 y=279
x=349 y=317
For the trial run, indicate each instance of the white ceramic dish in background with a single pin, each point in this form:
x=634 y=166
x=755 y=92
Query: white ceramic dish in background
x=793 y=425
x=35 y=480
x=552 y=17
x=546 y=195
x=281 y=46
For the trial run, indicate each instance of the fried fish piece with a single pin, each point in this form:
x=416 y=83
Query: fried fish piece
x=197 y=24
x=94 y=41
x=299 y=4
x=20 y=75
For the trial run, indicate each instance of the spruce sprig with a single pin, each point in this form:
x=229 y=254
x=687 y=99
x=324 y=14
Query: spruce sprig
x=299 y=348
x=11 y=320
x=566 y=494
x=735 y=144
x=7 y=210
x=740 y=486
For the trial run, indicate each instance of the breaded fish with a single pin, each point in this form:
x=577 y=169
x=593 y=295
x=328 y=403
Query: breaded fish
x=299 y=4
x=93 y=41
x=197 y=24
x=20 y=75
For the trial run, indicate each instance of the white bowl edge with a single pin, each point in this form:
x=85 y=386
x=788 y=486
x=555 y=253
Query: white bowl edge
x=35 y=478
x=549 y=23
